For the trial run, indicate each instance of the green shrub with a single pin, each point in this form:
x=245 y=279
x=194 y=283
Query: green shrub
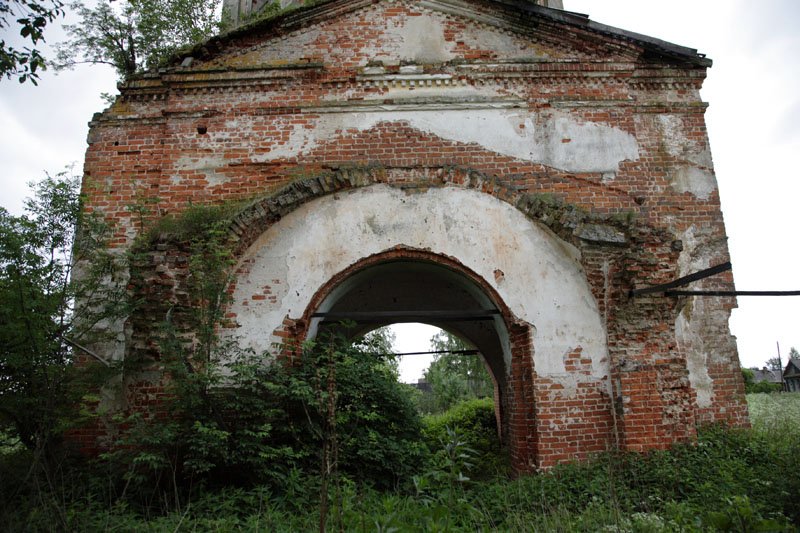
x=475 y=423
x=271 y=420
x=729 y=480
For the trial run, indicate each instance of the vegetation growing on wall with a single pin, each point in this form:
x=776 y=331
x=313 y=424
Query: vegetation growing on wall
x=326 y=439
x=48 y=315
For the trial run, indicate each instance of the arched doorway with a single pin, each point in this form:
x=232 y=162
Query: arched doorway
x=457 y=258
x=412 y=286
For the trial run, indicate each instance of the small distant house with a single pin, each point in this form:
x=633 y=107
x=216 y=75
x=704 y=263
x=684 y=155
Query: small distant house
x=765 y=374
x=791 y=375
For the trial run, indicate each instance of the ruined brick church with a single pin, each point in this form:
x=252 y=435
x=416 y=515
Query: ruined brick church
x=503 y=169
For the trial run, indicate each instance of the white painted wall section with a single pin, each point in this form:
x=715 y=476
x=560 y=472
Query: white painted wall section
x=556 y=139
x=543 y=282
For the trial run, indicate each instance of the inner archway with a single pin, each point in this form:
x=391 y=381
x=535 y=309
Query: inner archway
x=408 y=290
x=423 y=288
x=423 y=352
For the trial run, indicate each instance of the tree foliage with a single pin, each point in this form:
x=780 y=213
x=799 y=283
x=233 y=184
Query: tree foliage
x=453 y=376
x=380 y=342
x=32 y=16
x=135 y=35
x=751 y=386
x=775 y=364
x=39 y=321
x=247 y=419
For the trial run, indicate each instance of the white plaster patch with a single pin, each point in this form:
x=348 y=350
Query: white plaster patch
x=688 y=261
x=701 y=158
x=206 y=165
x=556 y=140
x=694 y=175
x=699 y=182
x=673 y=139
x=696 y=359
x=584 y=146
x=418 y=39
x=677 y=143
x=542 y=280
x=692 y=323
x=504 y=44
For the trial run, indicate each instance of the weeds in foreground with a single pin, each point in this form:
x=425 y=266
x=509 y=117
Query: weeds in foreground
x=730 y=480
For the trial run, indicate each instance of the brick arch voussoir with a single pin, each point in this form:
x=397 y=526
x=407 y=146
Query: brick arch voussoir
x=262 y=213
x=418 y=255
x=603 y=239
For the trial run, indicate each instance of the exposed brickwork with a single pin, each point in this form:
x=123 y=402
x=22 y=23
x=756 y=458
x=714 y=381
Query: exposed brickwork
x=254 y=119
x=572 y=424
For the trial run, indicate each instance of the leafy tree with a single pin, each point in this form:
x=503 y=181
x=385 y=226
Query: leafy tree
x=380 y=342
x=750 y=385
x=40 y=324
x=774 y=363
x=454 y=376
x=793 y=353
x=32 y=17
x=135 y=35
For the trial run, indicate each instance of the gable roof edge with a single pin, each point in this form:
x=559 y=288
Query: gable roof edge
x=297 y=17
x=581 y=20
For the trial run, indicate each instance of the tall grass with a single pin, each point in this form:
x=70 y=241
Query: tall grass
x=776 y=417
x=730 y=480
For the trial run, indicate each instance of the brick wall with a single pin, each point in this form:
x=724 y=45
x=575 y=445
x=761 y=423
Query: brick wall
x=337 y=96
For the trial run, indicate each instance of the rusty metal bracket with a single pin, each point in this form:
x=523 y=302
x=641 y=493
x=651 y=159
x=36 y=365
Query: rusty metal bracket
x=665 y=288
x=732 y=293
x=685 y=280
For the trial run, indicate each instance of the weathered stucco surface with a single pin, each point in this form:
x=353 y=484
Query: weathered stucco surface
x=542 y=283
x=554 y=139
x=701 y=327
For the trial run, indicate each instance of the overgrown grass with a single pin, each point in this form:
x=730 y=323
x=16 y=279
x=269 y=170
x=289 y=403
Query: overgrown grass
x=776 y=417
x=730 y=480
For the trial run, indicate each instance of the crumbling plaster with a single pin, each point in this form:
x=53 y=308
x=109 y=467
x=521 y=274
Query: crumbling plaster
x=693 y=169
x=702 y=319
x=422 y=39
x=552 y=138
x=543 y=283
x=596 y=135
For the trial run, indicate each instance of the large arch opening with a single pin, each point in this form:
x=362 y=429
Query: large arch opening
x=407 y=290
x=496 y=278
x=413 y=286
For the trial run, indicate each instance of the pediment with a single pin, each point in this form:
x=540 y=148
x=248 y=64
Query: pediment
x=359 y=33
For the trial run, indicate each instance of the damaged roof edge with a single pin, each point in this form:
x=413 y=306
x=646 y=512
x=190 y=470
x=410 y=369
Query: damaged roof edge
x=583 y=21
x=689 y=54
x=297 y=16
x=290 y=18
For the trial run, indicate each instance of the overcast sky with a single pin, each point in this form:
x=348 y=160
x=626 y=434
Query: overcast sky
x=753 y=122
